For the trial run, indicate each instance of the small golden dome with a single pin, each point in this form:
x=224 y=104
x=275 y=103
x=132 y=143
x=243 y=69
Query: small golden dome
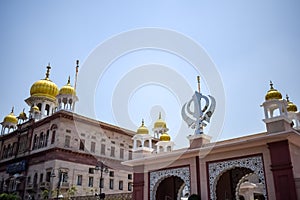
x=160 y=123
x=35 y=109
x=165 y=137
x=291 y=107
x=142 y=129
x=44 y=87
x=273 y=93
x=22 y=115
x=68 y=89
x=11 y=118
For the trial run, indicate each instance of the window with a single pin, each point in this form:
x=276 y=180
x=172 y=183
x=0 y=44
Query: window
x=121 y=153
x=111 y=184
x=111 y=174
x=35 y=139
x=41 y=140
x=101 y=184
x=102 y=149
x=64 y=177
x=81 y=145
x=48 y=176
x=53 y=137
x=47 y=137
x=112 y=151
x=35 y=177
x=93 y=147
x=67 y=141
x=120 y=185
x=129 y=186
x=47 y=110
x=41 y=177
x=91 y=181
x=130 y=176
x=79 y=180
x=91 y=170
x=130 y=155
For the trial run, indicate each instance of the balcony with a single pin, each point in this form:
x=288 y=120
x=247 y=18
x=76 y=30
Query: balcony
x=29 y=186
x=44 y=185
x=64 y=185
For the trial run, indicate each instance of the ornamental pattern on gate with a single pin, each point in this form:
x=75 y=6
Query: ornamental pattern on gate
x=216 y=169
x=157 y=176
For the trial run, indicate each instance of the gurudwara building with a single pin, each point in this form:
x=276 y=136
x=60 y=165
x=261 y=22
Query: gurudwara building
x=260 y=166
x=56 y=153
x=53 y=152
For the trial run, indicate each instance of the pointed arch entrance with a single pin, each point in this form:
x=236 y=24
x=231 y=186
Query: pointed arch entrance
x=240 y=167
x=178 y=178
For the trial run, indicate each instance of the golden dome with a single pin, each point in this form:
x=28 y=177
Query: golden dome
x=160 y=123
x=142 y=129
x=165 y=137
x=11 y=118
x=35 y=109
x=273 y=93
x=22 y=115
x=291 y=107
x=44 y=87
x=68 y=89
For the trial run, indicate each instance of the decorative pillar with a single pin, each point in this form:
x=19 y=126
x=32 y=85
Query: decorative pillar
x=281 y=167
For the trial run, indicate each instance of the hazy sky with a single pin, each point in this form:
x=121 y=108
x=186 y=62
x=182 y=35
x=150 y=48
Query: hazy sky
x=250 y=43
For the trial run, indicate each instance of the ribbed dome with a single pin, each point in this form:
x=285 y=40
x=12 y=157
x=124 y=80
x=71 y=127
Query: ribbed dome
x=44 y=87
x=160 y=123
x=273 y=93
x=142 y=129
x=165 y=137
x=291 y=107
x=68 y=89
x=10 y=118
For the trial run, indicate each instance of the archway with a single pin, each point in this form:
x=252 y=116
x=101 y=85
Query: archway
x=157 y=177
x=228 y=181
x=169 y=188
x=217 y=168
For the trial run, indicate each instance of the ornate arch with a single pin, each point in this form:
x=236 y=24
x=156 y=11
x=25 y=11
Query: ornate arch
x=216 y=169
x=157 y=176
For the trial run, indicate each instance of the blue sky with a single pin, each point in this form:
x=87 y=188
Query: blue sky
x=250 y=42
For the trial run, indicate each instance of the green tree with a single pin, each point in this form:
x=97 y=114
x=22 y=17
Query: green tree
x=5 y=196
x=72 y=190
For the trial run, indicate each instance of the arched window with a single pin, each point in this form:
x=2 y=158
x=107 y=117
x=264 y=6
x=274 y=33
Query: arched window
x=39 y=106
x=34 y=142
x=46 y=138
x=35 y=179
x=41 y=140
x=47 y=110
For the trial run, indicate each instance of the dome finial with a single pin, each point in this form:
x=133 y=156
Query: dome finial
x=48 y=71
x=159 y=115
x=198 y=79
x=142 y=122
x=271 y=85
x=69 y=82
x=287 y=98
x=76 y=74
x=12 y=109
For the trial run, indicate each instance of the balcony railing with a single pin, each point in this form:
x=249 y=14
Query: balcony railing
x=44 y=185
x=64 y=185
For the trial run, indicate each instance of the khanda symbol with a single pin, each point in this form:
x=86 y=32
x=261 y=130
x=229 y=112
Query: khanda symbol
x=200 y=116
